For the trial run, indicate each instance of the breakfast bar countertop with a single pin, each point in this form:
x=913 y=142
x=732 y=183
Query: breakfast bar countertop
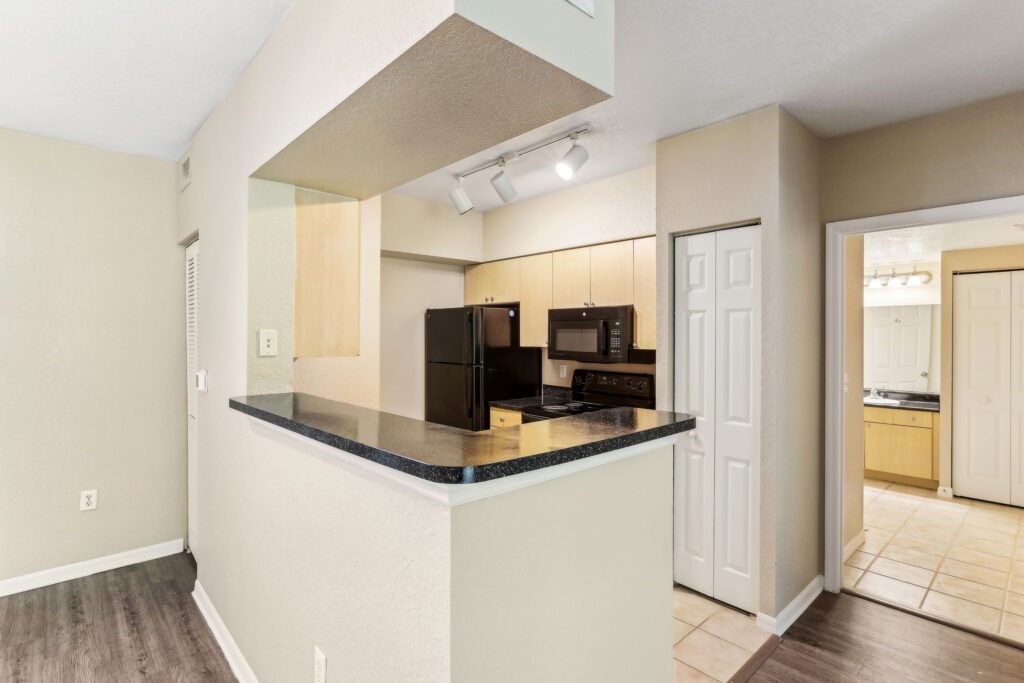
x=448 y=455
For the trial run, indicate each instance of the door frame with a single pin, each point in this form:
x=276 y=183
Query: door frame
x=835 y=232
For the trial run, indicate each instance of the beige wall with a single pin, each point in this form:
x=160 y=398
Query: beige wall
x=962 y=155
x=429 y=230
x=407 y=289
x=763 y=167
x=853 y=398
x=616 y=208
x=1009 y=257
x=93 y=364
x=271 y=284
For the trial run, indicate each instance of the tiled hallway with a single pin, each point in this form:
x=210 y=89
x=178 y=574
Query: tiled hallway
x=958 y=559
x=710 y=642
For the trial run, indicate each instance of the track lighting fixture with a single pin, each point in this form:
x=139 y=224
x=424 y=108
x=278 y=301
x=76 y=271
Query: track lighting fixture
x=502 y=183
x=573 y=159
x=460 y=199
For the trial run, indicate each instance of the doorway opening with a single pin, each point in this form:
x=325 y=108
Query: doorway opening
x=925 y=370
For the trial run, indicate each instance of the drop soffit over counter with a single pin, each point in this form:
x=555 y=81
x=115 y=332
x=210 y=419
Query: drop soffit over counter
x=458 y=90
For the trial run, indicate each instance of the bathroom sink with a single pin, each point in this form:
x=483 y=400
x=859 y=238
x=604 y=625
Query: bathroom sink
x=881 y=401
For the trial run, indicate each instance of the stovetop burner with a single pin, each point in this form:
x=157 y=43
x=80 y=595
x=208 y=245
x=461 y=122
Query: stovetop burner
x=594 y=390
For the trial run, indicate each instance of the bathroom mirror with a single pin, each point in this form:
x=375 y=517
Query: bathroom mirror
x=901 y=348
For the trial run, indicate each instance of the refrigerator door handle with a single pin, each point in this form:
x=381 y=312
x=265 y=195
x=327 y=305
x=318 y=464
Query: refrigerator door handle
x=470 y=377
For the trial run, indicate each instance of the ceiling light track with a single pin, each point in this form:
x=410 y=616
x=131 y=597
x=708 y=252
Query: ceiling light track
x=566 y=168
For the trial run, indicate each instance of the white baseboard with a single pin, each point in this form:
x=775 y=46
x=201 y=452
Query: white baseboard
x=48 y=577
x=944 y=492
x=791 y=612
x=855 y=542
x=236 y=660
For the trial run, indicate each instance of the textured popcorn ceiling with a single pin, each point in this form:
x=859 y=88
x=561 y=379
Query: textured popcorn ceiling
x=399 y=125
x=925 y=243
x=838 y=65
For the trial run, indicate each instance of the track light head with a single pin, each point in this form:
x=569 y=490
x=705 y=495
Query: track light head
x=503 y=186
x=460 y=198
x=573 y=159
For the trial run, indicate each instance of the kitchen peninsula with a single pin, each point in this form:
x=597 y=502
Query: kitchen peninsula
x=475 y=534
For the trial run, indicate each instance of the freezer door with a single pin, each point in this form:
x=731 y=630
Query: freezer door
x=451 y=335
x=454 y=396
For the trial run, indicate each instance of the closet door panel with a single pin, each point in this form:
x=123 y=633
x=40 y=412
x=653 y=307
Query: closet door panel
x=981 y=386
x=737 y=367
x=695 y=394
x=1017 y=388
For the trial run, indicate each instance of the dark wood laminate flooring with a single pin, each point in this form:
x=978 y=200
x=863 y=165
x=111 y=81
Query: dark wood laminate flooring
x=138 y=623
x=844 y=638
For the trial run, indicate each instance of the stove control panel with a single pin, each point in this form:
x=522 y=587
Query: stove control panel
x=613 y=383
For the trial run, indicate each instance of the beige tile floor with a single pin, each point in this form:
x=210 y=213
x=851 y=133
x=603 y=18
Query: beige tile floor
x=710 y=642
x=959 y=559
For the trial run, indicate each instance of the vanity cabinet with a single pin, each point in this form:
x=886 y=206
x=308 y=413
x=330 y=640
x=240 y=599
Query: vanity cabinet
x=901 y=445
x=494 y=282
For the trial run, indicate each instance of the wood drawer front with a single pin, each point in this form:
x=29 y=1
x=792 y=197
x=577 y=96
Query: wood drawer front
x=880 y=415
x=501 y=417
x=912 y=418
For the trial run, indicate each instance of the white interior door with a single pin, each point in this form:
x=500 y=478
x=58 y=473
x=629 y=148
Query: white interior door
x=191 y=367
x=694 y=564
x=982 y=315
x=897 y=347
x=737 y=408
x=717 y=378
x=1017 y=389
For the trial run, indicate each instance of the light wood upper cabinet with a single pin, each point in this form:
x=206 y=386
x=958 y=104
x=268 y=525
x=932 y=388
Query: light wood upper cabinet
x=645 y=288
x=571 y=278
x=326 y=275
x=611 y=274
x=496 y=282
x=535 y=298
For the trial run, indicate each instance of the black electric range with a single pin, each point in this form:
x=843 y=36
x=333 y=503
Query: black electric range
x=598 y=390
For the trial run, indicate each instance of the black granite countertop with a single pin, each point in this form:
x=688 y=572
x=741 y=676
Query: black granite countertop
x=552 y=395
x=455 y=456
x=906 y=400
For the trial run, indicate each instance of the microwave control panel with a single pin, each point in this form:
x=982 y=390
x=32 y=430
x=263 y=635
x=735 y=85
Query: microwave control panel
x=615 y=337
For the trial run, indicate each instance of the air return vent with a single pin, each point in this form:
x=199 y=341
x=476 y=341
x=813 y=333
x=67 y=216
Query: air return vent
x=184 y=173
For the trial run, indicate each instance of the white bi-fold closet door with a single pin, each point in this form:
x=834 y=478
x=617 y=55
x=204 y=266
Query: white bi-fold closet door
x=988 y=386
x=717 y=379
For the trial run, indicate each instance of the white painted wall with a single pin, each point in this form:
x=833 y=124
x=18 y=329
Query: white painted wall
x=616 y=208
x=429 y=230
x=271 y=284
x=407 y=289
x=92 y=369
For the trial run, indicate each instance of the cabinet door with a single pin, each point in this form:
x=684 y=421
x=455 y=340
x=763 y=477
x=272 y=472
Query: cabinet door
x=534 y=299
x=571 y=278
x=645 y=292
x=877 y=443
x=491 y=283
x=501 y=418
x=611 y=274
x=911 y=452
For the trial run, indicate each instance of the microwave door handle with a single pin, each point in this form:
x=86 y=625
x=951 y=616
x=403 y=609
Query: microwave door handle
x=602 y=335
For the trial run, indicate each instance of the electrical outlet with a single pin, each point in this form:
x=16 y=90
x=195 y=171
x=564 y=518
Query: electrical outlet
x=88 y=500
x=319 y=666
x=563 y=371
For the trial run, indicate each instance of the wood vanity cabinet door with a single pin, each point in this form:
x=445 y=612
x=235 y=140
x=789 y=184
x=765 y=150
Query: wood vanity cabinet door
x=611 y=274
x=570 y=276
x=911 y=451
x=645 y=293
x=877 y=444
x=535 y=296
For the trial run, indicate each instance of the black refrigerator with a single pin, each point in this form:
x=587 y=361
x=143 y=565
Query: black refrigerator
x=473 y=357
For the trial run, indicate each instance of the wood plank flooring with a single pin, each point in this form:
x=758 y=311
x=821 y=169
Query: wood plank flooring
x=844 y=638
x=138 y=623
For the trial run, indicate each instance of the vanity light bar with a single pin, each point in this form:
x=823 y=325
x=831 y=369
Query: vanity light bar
x=894 y=279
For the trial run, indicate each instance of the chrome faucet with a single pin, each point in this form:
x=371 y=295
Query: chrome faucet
x=874 y=393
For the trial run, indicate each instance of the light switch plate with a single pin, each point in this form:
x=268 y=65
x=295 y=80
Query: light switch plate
x=268 y=343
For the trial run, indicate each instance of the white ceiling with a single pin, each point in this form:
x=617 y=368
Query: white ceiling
x=925 y=243
x=839 y=66
x=136 y=76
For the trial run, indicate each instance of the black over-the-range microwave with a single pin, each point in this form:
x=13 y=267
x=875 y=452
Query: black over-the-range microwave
x=599 y=334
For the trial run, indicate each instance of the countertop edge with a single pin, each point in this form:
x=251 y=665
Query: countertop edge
x=442 y=474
